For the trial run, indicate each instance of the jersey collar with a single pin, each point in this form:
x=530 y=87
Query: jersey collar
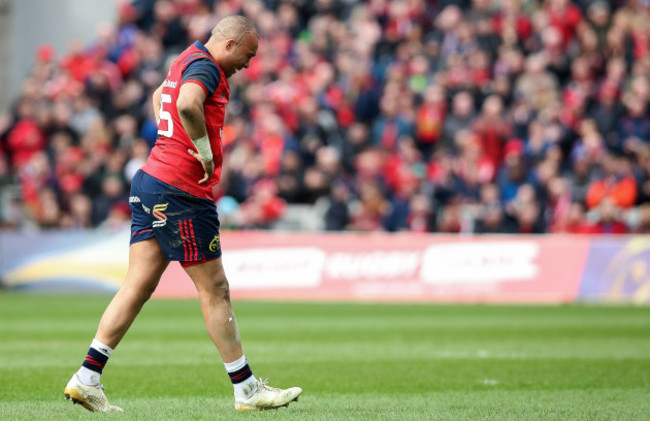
x=200 y=46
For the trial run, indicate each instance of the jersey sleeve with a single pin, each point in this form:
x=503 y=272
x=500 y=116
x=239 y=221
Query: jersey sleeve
x=204 y=72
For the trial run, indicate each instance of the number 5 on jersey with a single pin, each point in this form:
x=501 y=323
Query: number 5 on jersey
x=165 y=116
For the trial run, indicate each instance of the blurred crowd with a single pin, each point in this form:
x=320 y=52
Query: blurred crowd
x=505 y=116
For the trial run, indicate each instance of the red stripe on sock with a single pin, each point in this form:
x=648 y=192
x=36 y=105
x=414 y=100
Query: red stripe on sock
x=243 y=375
x=92 y=361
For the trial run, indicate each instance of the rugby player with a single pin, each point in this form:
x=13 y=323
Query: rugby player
x=174 y=216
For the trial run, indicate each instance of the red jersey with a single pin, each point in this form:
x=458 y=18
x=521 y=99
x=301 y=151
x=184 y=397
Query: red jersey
x=169 y=160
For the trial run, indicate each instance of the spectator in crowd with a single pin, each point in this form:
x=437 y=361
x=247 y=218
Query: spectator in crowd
x=460 y=117
x=609 y=219
x=429 y=119
x=617 y=184
x=451 y=116
x=493 y=129
x=337 y=214
x=490 y=215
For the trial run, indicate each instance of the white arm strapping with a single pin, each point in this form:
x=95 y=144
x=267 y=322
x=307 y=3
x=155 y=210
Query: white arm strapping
x=203 y=147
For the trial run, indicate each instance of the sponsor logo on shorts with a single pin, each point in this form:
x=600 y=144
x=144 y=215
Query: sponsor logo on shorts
x=214 y=244
x=158 y=213
x=134 y=199
x=146 y=209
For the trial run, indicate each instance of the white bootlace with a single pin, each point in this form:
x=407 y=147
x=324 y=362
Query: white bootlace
x=263 y=384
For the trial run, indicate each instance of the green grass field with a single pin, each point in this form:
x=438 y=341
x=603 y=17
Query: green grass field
x=354 y=361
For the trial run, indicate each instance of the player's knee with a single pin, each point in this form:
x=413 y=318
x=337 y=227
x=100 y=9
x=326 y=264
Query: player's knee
x=221 y=284
x=141 y=293
x=219 y=287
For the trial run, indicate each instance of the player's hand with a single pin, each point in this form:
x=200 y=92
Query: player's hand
x=208 y=166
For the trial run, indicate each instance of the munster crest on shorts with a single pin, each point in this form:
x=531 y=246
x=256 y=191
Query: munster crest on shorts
x=214 y=244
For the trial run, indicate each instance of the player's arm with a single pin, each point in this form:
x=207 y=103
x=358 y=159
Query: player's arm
x=156 y=102
x=190 y=111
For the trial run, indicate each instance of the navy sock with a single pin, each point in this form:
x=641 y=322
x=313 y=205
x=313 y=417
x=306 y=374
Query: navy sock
x=240 y=375
x=95 y=360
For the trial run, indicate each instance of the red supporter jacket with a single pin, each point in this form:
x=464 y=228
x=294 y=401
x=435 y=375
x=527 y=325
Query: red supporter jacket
x=169 y=160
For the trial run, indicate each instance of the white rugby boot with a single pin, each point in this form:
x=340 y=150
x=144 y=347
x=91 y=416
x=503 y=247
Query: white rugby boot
x=92 y=398
x=267 y=397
